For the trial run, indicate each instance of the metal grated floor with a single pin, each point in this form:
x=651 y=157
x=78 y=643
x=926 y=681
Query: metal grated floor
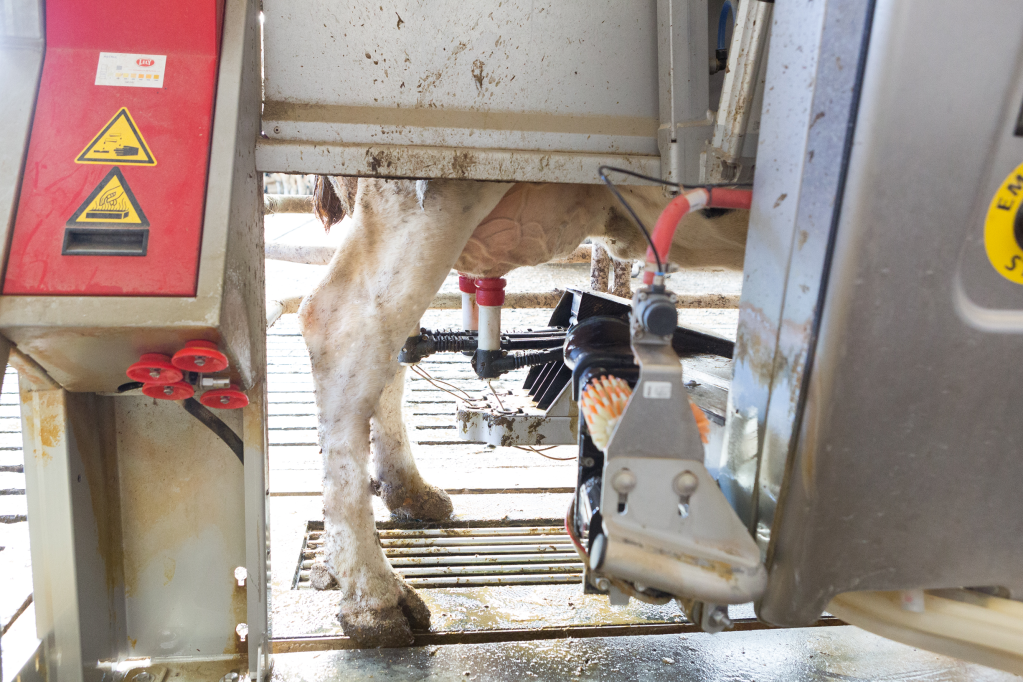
x=540 y=553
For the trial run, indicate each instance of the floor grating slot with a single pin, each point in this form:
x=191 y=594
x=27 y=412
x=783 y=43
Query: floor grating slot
x=463 y=556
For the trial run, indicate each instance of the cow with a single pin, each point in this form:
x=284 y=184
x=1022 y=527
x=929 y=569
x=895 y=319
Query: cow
x=402 y=240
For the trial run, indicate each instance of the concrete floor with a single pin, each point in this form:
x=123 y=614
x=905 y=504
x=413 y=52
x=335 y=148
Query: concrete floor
x=807 y=654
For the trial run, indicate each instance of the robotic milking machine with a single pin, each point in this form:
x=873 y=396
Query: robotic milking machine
x=647 y=517
x=854 y=451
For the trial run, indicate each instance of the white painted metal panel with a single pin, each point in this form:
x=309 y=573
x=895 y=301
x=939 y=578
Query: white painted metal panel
x=510 y=90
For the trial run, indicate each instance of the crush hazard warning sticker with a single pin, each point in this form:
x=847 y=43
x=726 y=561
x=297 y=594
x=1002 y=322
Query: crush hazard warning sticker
x=118 y=142
x=1003 y=228
x=111 y=203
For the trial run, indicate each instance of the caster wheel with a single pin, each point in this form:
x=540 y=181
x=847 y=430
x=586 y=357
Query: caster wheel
x=200 y=356
x=224 y=398
x=154 y=368
x=175 y=391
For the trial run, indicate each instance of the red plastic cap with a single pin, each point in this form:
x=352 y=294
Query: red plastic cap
x=466 y=284
x=490 y=291
x=200 y=356
x=224 y=398
x=154 y=368
x=176 y=391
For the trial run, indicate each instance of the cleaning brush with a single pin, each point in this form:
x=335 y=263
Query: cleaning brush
x=603 y=402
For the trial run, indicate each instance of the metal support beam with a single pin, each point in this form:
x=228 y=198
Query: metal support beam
x=683 y=72
x=752 y=27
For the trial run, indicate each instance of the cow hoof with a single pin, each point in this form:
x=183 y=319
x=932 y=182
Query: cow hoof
x=320 y=577
x=390 y=626
x=423 y=502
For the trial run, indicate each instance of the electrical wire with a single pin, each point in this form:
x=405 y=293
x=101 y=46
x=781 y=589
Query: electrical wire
x=570 y=529
x=436 y=384
x=527 y=448
x=471 y=402
x=618 y=195
x=530 y=448
x=602 y=172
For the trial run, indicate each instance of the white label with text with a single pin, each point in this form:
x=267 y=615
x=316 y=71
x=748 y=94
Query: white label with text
x=657 y=390
x=131 y=70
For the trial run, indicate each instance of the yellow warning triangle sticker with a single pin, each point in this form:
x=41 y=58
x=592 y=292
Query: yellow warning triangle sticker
x=119 y=142
x=111 y=203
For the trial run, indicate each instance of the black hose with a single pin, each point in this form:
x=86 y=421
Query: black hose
x=214 y=424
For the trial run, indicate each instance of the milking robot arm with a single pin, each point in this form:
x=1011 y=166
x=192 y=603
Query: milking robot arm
x=648 y=518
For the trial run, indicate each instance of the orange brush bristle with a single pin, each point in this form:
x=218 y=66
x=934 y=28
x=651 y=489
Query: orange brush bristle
x=603 y=402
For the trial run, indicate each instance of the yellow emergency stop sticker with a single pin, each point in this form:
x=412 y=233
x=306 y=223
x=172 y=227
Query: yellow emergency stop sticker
x=1003 y=228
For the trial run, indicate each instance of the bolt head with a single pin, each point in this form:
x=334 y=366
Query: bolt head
x=199 y=361
x=603 y=584
x=154 y=373
x=167 y=390
x=624 y=482
x=144 y=676
x=224 y=400
x=685 y=484
x=720 y=619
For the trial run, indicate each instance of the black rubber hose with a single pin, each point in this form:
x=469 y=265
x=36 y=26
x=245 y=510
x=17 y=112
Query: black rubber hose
x=214 y=424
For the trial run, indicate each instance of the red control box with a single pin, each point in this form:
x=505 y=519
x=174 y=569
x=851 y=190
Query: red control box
x=114 y=189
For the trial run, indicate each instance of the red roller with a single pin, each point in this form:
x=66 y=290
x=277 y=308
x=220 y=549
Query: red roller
x=224 y=398
x=176 y=391
x=155 y=369
x=200 y=356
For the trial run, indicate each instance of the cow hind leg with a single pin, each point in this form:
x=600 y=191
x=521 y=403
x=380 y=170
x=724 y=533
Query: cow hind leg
x=393 y=259
x=396 y=477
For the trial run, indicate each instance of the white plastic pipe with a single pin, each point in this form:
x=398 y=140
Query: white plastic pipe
x=490 y=327
x=490 y=298
x=470 y=312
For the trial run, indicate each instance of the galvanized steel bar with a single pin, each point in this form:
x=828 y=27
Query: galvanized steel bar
x=469 y=532
x=540 y=557
x=558 y=579
x=752 y=24
x=509 y=569
x=453 y=542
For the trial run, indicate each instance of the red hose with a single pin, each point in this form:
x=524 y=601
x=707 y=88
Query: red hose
x=722 y=197
x=677 y=208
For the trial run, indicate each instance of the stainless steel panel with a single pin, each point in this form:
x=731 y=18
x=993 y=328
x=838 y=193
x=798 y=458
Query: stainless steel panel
x=507 y=90
x=895 y=457
x=22 y=43
x=808 y=111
